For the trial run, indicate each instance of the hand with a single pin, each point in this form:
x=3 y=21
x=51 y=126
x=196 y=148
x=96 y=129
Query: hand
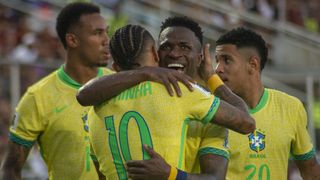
x=168 y=77
x=206 y=69
x=155 y=168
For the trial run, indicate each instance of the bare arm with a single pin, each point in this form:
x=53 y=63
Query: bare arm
x=234 y=119
x=14 y=161
x=104 y=88
x=212 y=167
x=309 y=169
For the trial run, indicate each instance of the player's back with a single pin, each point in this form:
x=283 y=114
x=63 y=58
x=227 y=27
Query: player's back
x=146 y=114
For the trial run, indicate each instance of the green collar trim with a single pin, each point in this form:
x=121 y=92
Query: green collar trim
x=69 y=81
x=261 y=103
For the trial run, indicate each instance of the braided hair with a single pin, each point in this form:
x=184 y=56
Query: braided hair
x=127 y=44
x=185 y=22
x=242 y=37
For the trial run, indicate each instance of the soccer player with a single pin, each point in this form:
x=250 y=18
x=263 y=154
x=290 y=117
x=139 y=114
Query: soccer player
x=185 y=36
x=49 y=114
x=281 y=120
x=144 y=114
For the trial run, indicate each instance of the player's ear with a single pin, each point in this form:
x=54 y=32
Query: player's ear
x=116 y=67
x=72 y=40
x=155 y=54
x=254 y=64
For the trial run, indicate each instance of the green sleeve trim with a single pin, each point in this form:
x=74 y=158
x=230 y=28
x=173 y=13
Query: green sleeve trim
x=211 y=150
x=306 y=156
x=20 y=141
x=212 y=111
x=262 y=102
x=64 y=77
x=94 y=158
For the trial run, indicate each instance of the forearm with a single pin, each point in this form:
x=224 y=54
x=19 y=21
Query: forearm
x=13 y=162
x=224 y=93
x=309 y=169
x=104 y=88
x=201 y=177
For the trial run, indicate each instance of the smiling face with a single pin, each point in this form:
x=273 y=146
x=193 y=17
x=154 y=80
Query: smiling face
x=180 y=49
x=93 y=45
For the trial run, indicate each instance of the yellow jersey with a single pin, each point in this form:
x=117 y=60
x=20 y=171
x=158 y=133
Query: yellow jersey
x=281 y=130
x=204 y=139
x=50 y=114
x=146 y=114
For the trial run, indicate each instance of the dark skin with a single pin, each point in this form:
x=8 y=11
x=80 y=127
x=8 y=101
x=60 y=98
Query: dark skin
x=14 y=161
x=229 y=120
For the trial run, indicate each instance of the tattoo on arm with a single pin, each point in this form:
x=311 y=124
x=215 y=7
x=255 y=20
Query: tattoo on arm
x=14 y=161
x=224 y=93
x=233 y=118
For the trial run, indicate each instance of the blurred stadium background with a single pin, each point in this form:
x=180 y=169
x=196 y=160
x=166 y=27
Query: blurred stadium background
x=30 y=49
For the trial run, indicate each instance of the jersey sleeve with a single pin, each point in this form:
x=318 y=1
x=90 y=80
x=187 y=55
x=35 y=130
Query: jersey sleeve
x=27 y=124
x=214 y=141
x=200 y=104
x=302 y=148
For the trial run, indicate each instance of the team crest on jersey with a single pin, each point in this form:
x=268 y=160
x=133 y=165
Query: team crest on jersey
x=257 y=141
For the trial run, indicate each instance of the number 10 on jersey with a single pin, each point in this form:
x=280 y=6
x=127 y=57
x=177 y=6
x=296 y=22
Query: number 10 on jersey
x=115 y=149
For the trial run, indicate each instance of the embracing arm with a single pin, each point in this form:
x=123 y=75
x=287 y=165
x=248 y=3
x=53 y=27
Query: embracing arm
x=212 y=167
x=309 y=169
x=104 y=88
x=233 y=118
x=14 y=161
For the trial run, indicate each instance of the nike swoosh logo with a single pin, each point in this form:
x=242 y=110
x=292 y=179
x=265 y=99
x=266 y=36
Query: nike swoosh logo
x=60 y=109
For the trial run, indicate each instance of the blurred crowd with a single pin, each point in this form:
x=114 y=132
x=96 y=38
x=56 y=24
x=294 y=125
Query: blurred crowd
x=299 y=12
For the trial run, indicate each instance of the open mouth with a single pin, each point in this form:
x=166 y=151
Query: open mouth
x=176 y=66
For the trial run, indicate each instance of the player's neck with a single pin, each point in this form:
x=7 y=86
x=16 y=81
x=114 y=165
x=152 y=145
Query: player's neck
x=79 y=72
x=253 y=94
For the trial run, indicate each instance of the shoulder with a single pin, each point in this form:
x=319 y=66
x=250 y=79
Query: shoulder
x=283 y=98
x=43 y=84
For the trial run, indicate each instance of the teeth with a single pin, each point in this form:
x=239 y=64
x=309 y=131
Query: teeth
x=175 y=65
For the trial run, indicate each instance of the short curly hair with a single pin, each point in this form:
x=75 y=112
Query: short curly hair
x=70 y=15
x=183 y=21
x=242 y=37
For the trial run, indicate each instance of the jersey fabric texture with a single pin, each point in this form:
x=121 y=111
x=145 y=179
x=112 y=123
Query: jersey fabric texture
x=281 y=130
x=204 y=139
x=146 y=114
x=49 y=114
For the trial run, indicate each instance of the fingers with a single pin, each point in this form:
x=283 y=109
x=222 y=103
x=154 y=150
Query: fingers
x=206 y=54
x=150 y=151
x=137 y=176
x=167 y=85
x=175 y=85
x=187 y=81
x=135 y=163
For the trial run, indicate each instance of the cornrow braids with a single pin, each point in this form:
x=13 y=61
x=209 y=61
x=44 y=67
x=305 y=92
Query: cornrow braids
x=183 y=21
x=242 y=37
x=127 y=44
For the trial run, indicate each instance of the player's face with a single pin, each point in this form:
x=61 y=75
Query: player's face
x=180 y=49
x=232 y=67
x=93 y=40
